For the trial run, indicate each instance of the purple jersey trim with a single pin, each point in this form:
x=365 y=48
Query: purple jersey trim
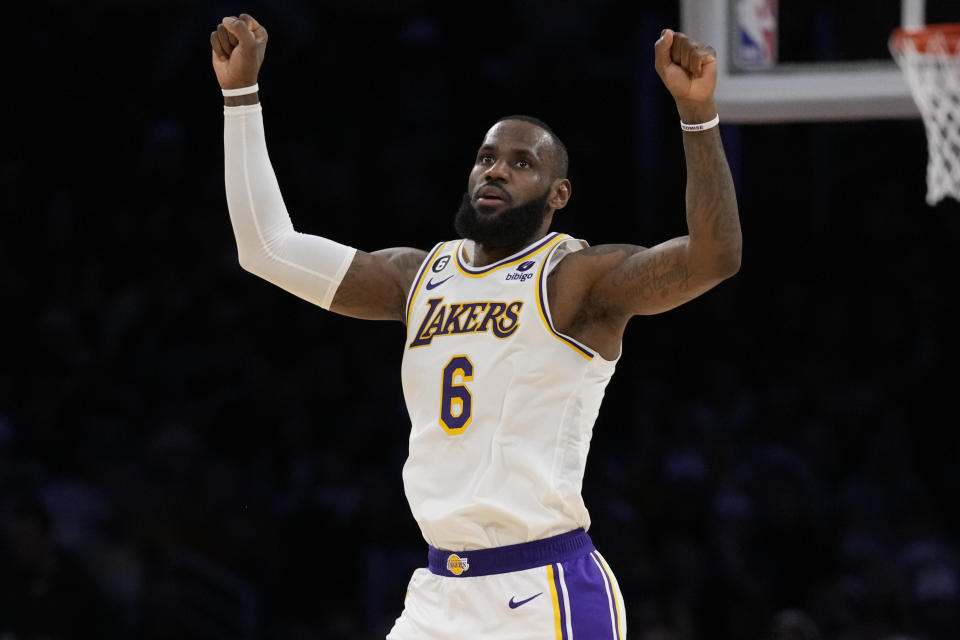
x=419 y=278
x=541 y=300
x=514 y=258
x=514 y=557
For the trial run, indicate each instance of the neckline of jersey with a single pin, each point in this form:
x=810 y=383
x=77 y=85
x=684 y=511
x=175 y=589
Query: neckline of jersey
x=530 y=249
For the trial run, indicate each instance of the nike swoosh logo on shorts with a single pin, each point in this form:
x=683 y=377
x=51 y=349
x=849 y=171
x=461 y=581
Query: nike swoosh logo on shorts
x=514 y=605
x=433 y=285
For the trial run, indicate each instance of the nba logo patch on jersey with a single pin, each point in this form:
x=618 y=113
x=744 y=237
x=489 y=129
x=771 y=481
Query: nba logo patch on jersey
x=457 y=565
x=440 y=264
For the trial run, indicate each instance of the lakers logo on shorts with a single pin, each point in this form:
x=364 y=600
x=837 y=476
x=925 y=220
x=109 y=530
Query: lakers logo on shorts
x=457 y=565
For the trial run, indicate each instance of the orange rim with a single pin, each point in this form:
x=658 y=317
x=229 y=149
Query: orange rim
x=922 y=36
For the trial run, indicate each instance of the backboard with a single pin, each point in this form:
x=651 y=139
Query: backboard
x=809 y=60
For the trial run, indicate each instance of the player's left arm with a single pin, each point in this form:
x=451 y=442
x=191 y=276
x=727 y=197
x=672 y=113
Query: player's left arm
x=640 y=281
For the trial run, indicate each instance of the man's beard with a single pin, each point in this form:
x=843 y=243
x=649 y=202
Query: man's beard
x=509 y=228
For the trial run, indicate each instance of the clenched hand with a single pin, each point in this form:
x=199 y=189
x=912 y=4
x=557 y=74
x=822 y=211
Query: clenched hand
x=689 y=71
x=238 y=45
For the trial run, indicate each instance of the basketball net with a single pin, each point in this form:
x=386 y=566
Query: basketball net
x=930 y=59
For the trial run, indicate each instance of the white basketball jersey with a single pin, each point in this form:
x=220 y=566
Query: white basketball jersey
x=502 y=405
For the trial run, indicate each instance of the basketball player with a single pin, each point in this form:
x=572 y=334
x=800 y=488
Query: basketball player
x=512 y=334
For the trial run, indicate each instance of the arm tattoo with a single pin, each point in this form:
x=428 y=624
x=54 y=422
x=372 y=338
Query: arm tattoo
x=646 y=281
x=654 y=277
x=376 y=285
x=607 y=249
x=351 y=291
x=711 y=199
x=409 y=263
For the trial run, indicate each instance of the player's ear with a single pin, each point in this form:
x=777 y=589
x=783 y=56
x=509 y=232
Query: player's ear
x=559 y=194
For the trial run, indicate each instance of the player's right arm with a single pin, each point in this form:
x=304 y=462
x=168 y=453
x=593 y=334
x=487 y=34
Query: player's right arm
x=372 y=286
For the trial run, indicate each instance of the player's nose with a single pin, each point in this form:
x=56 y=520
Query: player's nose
x=499 y=170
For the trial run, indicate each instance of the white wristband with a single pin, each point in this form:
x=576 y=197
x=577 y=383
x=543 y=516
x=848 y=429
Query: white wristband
x=242 y=91
x=701 y=126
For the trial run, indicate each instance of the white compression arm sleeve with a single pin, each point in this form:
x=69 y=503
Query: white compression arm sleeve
x=307 y=266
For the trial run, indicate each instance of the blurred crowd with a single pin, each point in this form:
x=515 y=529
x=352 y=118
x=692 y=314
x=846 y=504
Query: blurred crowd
x=187 y=452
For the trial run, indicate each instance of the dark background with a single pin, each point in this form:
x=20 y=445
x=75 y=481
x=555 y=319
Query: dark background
x=187 y=451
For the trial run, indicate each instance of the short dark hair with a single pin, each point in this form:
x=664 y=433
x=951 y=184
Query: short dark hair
x=561 y=158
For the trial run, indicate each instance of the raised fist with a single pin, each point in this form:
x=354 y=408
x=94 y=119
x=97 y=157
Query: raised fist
x=688 y=69
x=238 y=47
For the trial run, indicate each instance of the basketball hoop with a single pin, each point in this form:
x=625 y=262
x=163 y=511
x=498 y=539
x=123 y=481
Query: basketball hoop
x=930 y=59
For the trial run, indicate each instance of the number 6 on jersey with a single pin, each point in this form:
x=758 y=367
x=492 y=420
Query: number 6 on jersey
x=456 y=402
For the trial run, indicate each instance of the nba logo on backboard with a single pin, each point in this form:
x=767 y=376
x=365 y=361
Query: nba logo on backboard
x=755 y=38
x=456 y=565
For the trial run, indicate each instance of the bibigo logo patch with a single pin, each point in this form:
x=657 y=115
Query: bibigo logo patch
x=522 y=277
x=525 y=266
x=457 y=565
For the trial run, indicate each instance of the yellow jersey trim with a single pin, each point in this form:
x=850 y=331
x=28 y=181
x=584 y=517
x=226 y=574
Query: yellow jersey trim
x=613 y=592
x=545 y=242
x=556 y=603
x=542 y=305
x=416 y=285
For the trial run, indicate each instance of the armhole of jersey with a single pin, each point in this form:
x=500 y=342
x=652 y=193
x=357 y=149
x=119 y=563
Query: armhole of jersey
x=419 y=279
x=544 y=307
